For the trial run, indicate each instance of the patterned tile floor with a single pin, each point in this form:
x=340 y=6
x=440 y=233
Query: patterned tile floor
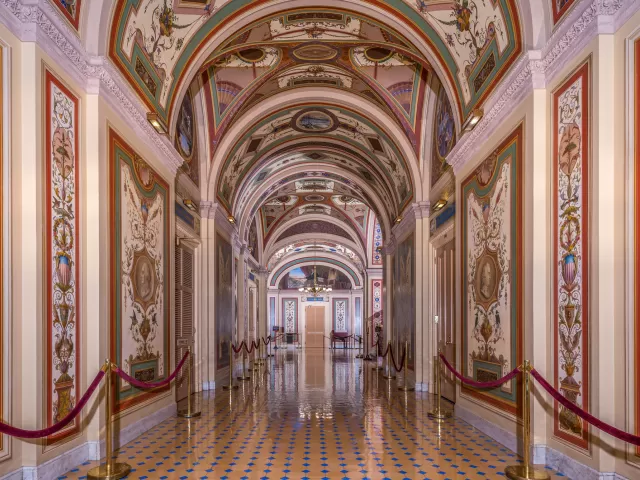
x=313 y=415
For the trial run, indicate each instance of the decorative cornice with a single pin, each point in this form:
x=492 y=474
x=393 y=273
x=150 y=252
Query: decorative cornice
x=208 y=209
x=93 y=69
x=535 y=69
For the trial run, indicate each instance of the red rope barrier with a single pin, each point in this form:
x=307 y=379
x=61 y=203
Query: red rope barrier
x=393 y=360
x=146 y=386
x=236 y=351
x=19 y=432
x=569 y=405
x=472 y=383
x=247 y=349
x=386 y=352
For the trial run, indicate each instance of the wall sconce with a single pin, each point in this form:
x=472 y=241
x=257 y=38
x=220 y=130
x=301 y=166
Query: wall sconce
x=231 y=219
x=158 y=125
x=190 y=205
x=473 y=120
x=439 y=205
x=399 y=219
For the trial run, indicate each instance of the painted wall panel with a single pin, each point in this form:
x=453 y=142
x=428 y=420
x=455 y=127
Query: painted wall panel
x=491 y=262
x=62 y=262
x=224 y=301
x=404 y=298
x=139 y=216
x=571 y=136
x=636 y=263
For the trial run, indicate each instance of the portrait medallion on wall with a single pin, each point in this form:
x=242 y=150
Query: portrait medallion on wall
x=62 y=253
x=139 y=210
x=571 y=259
x=491 y=269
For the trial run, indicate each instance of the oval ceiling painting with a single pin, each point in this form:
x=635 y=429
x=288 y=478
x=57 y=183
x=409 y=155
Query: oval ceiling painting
x=314 y=121
x=315 y=52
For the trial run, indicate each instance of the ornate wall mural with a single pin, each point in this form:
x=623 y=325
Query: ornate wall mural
x=444 y=136
x=341 y=314
x=376 y=243
x=560 y=8
x=70 y=10
x=404 y=297
x=186 y=139
x=491 y=271
x=153 y=43
x=252 y=241
x=62 y=253
x=140 y=252
x=571 y=257
x=224 y=300
x=290 y=314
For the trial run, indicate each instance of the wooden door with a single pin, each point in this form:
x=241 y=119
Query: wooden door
x=314 y=335
x=184 y=320
x=445 y=309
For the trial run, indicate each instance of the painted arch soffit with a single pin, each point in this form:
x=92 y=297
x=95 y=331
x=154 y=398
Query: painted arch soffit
x=328 y=260
x=316 y=247
x=317 y=123
x=159 y=44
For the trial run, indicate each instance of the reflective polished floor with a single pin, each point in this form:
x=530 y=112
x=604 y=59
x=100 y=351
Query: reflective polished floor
x=314 y=415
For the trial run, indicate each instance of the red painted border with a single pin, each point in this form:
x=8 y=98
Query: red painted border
x=584 y=72
x=114 y=287
x=636 y=133
x=517 y=137
x=74 y=21
x=558 y=13
x=51 y=79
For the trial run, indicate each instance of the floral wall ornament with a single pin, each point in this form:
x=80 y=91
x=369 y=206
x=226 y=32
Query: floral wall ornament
x=63 y=322
x=571 y=169
x=491 y=271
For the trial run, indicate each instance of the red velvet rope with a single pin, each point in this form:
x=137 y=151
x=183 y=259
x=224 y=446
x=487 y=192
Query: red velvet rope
x=569 y=405
x=393 y=360
x=236 y=351
x=19 y=432
x=266 y=341
x=145 y=385
x=255 y=344
x=386 y=352
x=496 y=383
x=247 y=349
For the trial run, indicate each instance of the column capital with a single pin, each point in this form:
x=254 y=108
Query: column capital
x=421 y=209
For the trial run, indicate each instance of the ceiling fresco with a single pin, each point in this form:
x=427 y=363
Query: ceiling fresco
x=444 y=135
x=315 y=227
x=70 y=10
x=309 y=247
x=315 y=197
x=186 y=141
x=323 y=123
x=154 y=42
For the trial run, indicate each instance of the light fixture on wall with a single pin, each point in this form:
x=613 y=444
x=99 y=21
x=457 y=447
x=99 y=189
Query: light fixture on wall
x=231 y=219
x=473 y=120
x=398 y=218
x=190 y=205
x=439 y=205
x=157 y=123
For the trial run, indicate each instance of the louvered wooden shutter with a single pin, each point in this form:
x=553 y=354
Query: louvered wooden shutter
x=184 y=321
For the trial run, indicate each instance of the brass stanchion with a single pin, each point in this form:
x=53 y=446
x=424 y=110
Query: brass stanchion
x=244 y=376
x=188 y=412
x=377 y=367
x=260 y=360
x=439 y=414
x=110 y=469
x=526 y=470
x=360 y=354
x=405 y=381
x=389 y=375
x=231 y=386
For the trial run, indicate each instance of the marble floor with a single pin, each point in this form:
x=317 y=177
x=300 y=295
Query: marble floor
x=313 y=414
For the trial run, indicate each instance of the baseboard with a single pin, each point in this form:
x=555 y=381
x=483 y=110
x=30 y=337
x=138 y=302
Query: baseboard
x=93 y=450
x=508 y=439
x=542 y=454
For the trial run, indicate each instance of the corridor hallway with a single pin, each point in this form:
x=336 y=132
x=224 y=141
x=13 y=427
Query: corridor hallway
x=313 y=414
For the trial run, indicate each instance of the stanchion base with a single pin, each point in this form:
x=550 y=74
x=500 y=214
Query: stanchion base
x=185 y=414
x=359 y=356
x=439 y=415
x=230 y=387
x=406 y=388
x=259 y=362
x=389 y=377
x=377 y=369
x=244 y=379
x=519 y=472
x=118 y=470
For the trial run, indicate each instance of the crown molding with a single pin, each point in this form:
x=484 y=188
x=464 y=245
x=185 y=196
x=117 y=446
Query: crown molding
x=537 y=68
x=37 y=21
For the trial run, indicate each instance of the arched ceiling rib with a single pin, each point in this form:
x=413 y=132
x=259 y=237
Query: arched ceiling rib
x=159 y=45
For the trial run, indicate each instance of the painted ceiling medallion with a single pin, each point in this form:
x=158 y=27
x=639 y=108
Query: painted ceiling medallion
x=314 y=198
x=315 y=52
x=251 y=55
x=314 y=120
x=378 y=54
